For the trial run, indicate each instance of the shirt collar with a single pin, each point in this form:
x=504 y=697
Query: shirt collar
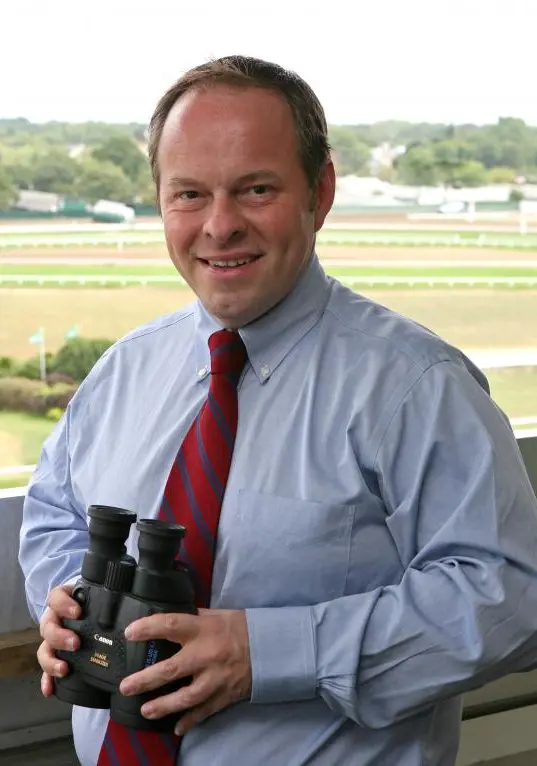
x=269 y=339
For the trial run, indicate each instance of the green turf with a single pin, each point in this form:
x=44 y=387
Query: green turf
x=21 y=437
x=417 y=237
x=515 y=390
x=18 y=480
x=148 y=270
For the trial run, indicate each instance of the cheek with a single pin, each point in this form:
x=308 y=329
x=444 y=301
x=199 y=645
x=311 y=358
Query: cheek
x=282 y=226
x=179 y=233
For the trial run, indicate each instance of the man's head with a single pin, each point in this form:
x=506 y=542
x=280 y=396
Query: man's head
x=239 y=153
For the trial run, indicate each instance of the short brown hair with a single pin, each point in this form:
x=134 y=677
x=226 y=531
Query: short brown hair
x=244 y=71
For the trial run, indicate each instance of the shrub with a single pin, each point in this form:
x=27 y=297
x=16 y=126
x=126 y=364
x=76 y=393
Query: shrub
x=55 y=414
x=77 y=357
x=58 y=377
x=24 y=395
x=58 y=395
x=18 y=394
x=32 y=367
x=7 y=366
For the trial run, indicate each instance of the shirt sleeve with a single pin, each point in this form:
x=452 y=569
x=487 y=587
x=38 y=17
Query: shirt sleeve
x=54 y=533
x=463 y=516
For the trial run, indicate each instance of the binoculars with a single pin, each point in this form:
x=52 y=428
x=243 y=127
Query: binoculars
x=114 y=591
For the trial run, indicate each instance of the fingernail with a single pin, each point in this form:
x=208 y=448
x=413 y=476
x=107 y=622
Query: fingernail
x=125 y=689
x=58 y=668
x=128 y=632
x=179 y=730
x=73 y=611
x=148 y=712
x=71 y=644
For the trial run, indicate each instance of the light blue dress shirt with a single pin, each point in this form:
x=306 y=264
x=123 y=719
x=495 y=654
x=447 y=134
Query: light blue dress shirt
x=378 y=524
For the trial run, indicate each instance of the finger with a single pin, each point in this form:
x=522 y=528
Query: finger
x=177 y=628
x=196 y=693
x=60 y=601
x=188 y=661
x=47 y=685
x=49 y=663
x=199 y=714
x=58 y=637
x=150 y=678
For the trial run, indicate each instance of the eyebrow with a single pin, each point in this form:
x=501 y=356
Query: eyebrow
x=256 y=175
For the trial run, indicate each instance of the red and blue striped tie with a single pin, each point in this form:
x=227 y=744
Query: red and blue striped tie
x=192 y=497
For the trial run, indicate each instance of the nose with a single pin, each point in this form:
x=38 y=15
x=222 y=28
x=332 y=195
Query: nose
x=225 y=221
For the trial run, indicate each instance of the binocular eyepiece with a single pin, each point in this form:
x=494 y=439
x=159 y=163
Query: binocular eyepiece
x=109 y=528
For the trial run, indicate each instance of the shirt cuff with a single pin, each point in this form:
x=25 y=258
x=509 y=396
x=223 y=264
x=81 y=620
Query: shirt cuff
x=282 y=654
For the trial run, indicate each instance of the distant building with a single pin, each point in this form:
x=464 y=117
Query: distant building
x=76 y=150
x=383 y=156
x=39 y=202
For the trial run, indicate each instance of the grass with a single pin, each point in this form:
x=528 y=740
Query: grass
x=16 y=481
x=471 y=319
x=21 y=437
x=515 y=391
x=98 y=313
x=146 y=270
x=342 y=236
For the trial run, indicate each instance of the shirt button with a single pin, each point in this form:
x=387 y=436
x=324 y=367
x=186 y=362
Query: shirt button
x=202 y=372
x=265 y=371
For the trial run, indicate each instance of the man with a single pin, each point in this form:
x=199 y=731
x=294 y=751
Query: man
x=375 y=556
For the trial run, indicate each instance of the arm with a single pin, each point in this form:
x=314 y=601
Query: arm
x=464 y=519
x=54 y=534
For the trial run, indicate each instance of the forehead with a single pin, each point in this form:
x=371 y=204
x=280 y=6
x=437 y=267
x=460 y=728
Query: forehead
x=228 y=121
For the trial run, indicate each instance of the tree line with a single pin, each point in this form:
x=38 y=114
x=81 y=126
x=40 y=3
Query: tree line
x=95 y=160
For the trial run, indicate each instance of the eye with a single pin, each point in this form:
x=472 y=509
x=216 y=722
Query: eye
x=188 y=194
x=259 y=189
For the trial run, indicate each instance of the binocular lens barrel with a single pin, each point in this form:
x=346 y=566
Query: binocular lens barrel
x=158 y=544
x=109 y=528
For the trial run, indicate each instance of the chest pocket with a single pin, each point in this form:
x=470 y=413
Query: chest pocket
x=279 y=551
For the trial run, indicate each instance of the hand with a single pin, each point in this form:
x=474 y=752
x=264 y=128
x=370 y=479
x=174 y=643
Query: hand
x=59 y=605
x=215 y=652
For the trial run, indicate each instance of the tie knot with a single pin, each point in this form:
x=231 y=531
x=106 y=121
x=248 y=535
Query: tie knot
x=228 y=353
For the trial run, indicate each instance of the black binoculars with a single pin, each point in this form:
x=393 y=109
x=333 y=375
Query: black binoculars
x=114 y=591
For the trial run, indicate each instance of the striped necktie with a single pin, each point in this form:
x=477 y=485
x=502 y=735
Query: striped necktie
x=192 y=497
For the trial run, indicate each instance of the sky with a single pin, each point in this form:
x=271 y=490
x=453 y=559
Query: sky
x=455 y=61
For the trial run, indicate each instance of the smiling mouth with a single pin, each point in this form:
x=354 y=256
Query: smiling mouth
x=231 y=263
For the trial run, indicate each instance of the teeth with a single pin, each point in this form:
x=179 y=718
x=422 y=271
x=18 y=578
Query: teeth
x=230 y=264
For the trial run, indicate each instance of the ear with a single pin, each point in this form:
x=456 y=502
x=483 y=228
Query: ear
x=324 y=196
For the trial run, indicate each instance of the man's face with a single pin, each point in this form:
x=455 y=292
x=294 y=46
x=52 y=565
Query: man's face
x=239 y=216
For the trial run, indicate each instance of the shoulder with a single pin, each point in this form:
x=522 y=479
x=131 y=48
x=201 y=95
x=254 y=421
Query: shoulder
x=147 y=346
x=391 y=337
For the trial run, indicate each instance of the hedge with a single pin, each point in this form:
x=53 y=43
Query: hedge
x=25 y=395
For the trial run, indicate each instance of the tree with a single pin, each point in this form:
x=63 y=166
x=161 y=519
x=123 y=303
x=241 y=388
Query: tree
x=469 y=173
x=102 y=180
x=417 y=167
x=145 y=188
x=77 y=356
x=449 y=156
x=122 y=151
x=501 y=176
x=55 y=172
x=8 y=193
x=351 y=155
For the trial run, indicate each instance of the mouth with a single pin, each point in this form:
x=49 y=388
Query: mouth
x=228 y=265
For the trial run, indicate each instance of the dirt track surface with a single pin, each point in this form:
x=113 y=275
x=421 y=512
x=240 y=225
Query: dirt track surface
x=328 y=253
